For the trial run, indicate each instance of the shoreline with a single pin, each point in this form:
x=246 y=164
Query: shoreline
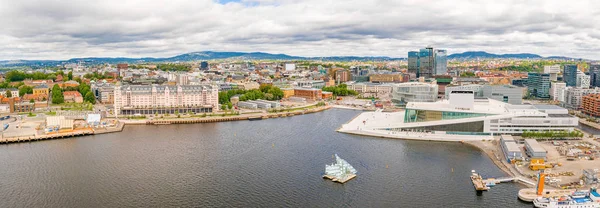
x=122 y=123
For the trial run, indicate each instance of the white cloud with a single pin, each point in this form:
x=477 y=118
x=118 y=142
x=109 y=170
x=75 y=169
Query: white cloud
x=61 y=29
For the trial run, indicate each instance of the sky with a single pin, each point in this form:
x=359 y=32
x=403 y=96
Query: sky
x=63 y=29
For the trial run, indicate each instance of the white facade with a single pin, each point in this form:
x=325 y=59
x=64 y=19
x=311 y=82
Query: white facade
x=414 y=92
x=553 y=70
x=573 y=96
x=13 y=92
x=59 y=121
x=148 y=98
x=381 y=91
x=557 y=91
x=290 y=67
x=486 y=117
x=583 y=80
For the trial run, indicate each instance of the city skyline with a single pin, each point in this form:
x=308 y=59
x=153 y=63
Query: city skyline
x=68 y=29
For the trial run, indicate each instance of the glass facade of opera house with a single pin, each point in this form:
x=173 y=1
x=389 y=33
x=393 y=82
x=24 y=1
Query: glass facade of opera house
x=413 y=115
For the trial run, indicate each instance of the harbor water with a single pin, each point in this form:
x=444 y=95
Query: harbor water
x=268 y=163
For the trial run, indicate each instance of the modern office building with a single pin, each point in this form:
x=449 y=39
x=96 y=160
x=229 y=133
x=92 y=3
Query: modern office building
x=553 y=70
x=413 y=62
x=441 y=62
x=570 y=75
x=403 y=93
x=343 y=75
x=427 y=62
x=574 y=95
x=538 y=85
x=591 y=105
x=583 y=80
x=594 y=75
x=464 y=115
x=162 y=99
x=557 y=91
x=505 y=93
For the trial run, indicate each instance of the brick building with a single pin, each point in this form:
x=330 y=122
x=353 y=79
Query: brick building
x=591 y=105
x=308 y=93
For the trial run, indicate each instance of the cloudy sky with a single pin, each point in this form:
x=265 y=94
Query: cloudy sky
x=62 y=29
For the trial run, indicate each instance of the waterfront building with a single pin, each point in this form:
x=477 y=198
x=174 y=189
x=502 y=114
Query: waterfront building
x=59 y=122
x=308 y=93
x=161 y=99
x=553 y=70
x=287 y=92
x=591 y=105
x=557 y=91
x=534 y=149
x=583 y=80
x=510 y=148
x=462 y=114
x=570 y=75
x=573 y=96
x=375 y=90
x=403 y=93
x=538 y=85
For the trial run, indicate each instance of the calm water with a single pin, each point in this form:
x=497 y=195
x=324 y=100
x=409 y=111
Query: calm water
x=269 y=163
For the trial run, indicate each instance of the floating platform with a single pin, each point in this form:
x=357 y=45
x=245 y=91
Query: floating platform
x=335 y=179
x=530 y=194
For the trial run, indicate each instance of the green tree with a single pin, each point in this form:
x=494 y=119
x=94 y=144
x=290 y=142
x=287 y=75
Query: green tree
x=57 y=95
x=25 y=90
x=8 y=93
x=70 y=75
x=32 y=101
x=89 y=97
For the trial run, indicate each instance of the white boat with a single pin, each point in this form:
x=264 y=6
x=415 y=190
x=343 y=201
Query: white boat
x=578 y=199
x=341 y=171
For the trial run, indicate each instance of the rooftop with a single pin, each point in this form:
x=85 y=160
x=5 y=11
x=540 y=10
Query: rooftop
x=534 y=145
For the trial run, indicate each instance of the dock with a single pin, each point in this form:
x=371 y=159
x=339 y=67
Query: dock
x=530 y=194
x=344 y=180
x=480 y=184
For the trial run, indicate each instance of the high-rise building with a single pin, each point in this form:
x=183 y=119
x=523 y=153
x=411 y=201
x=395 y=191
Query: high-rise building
x=343 y=75
x=583 y=80
x=413 y=62
x=204 y=65
x=538 y=84
x=441 y=62
x=553 y=70
x=594 y=75
x=427 y=62
x=557 y=91
x=570 y=75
